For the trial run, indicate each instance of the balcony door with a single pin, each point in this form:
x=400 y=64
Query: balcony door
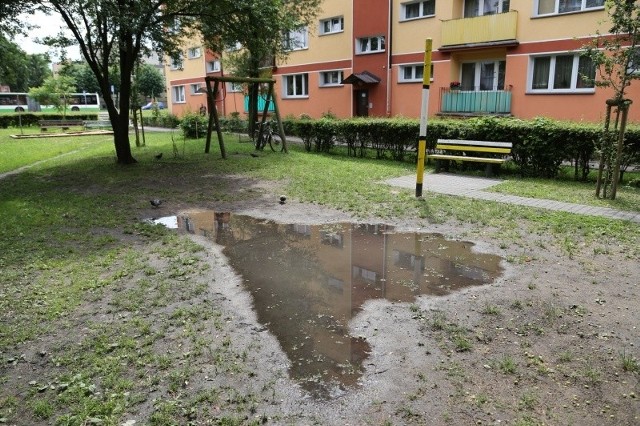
x=484 y=7
x=483 y=75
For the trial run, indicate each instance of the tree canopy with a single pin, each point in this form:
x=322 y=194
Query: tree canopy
x=20 y=70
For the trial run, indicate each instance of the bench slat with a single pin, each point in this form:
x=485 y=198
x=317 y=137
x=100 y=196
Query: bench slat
x=466 y=158
x=474 y=148
x=475 y=143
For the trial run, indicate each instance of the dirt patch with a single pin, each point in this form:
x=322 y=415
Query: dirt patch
x=553 y=341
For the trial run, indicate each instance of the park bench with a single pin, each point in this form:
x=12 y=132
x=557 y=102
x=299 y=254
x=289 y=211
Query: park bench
x=491 y=153
x=103 y=122
x=97 y=124
x=63 y=124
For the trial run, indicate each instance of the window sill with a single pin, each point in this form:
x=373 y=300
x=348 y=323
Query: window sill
x=417 y=18
x=330 y=33
x=296 y=97
x=322 y=86
x=370 y=53
x=552 y=15
x=561 y=92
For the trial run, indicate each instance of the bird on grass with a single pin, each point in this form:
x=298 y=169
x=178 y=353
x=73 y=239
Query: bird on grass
x=155 y=202
x=158 y=156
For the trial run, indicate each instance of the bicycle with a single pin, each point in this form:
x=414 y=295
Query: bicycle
x=263 y=134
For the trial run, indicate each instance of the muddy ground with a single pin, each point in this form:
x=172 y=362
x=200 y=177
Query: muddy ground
x=546 y=343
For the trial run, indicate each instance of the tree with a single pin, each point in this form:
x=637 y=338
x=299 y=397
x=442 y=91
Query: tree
x=84 y=78
x=617 y=57
x=260 y=27
x=10 y=10
x=119 y=32
x=20 y=70
x=55 y=91
x=149 y=81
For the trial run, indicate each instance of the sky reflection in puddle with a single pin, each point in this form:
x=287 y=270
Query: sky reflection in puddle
x=308 y=281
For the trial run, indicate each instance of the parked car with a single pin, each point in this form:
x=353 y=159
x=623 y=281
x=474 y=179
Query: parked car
x=161 y=105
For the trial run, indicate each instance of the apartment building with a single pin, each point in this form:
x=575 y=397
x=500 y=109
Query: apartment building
x=505 y=57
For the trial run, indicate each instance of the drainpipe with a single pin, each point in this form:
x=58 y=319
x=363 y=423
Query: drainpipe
x=389 y=48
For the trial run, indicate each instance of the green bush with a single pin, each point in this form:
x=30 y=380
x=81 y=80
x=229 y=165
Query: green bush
x=540 y=146
x=194 y=125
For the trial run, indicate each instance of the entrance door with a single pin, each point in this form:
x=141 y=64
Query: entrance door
x=362 y=103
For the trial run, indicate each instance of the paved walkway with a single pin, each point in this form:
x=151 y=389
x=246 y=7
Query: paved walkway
x=472 y=187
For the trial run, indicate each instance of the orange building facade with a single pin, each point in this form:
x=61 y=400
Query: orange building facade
x=516 y=58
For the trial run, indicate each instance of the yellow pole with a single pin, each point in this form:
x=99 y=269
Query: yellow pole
x=424 y=112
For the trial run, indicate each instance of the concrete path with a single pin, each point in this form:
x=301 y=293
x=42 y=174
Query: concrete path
x=472 y=187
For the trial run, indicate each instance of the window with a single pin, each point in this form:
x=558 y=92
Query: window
x=332 y=25
x=296 y=85
x=370 y=44
x=194 y=52
x=178 y=94
x=330 y=78
x=548 y=7
x=213 y=66
x=176 y=63
x=234 y=87
x=562 y=73
x=412 y=73
x=194 y=88
x=484 y=75
x=418 y=9
x=296 y=40
x=485 y=7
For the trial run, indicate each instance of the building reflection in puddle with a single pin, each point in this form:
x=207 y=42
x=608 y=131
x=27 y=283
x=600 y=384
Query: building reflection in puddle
x=308 y=281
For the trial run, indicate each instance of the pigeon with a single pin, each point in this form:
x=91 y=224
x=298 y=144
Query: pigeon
x=282 y=199
x=158 y=156
x=155 y=202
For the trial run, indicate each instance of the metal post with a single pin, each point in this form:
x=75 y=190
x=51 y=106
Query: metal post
x=424 y=112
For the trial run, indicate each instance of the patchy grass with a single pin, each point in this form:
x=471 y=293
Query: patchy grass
x=122 y=315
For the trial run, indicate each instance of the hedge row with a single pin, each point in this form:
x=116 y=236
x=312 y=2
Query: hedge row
x=31 y=119
x=539 y=145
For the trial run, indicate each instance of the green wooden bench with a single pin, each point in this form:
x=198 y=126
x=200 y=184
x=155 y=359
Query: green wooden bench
x=62 y=124
x=491 y=153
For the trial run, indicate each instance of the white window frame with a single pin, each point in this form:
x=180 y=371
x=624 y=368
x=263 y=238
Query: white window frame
x=421 y=12
x=214 y=66
x=333 y=22
x=551 y=79
x=338 y=74
x=583 y=7
x=301 y=79
x=194 y=87
x=234 y=87
x=478 y=74
x=194 y=52
x=177 y=64
x=481 y=8
x=297 y=39
x=415 y=77
x=178 y=95
x=367 y=48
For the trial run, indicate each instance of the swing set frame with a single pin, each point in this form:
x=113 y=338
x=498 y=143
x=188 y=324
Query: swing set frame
x=213 y=86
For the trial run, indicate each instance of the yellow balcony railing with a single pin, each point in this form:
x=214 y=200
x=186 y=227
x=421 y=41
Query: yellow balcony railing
x=480 y=29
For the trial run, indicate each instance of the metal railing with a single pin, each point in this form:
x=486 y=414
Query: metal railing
x=475 y=101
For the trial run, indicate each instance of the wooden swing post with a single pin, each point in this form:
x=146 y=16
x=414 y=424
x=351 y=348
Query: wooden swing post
x=213 y=111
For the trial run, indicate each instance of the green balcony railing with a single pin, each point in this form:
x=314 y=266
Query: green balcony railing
x=261 y=102
x=475 y=101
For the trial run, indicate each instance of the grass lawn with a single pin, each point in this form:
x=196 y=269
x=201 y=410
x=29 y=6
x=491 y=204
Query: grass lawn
x=72 y=244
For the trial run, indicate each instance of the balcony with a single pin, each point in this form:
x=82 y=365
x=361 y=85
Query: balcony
x=480 y=31
x=475 y=102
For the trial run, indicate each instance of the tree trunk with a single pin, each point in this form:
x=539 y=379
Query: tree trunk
x=618 y=159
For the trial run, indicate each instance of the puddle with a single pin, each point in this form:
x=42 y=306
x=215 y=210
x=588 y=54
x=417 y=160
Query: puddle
x=308 y=281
